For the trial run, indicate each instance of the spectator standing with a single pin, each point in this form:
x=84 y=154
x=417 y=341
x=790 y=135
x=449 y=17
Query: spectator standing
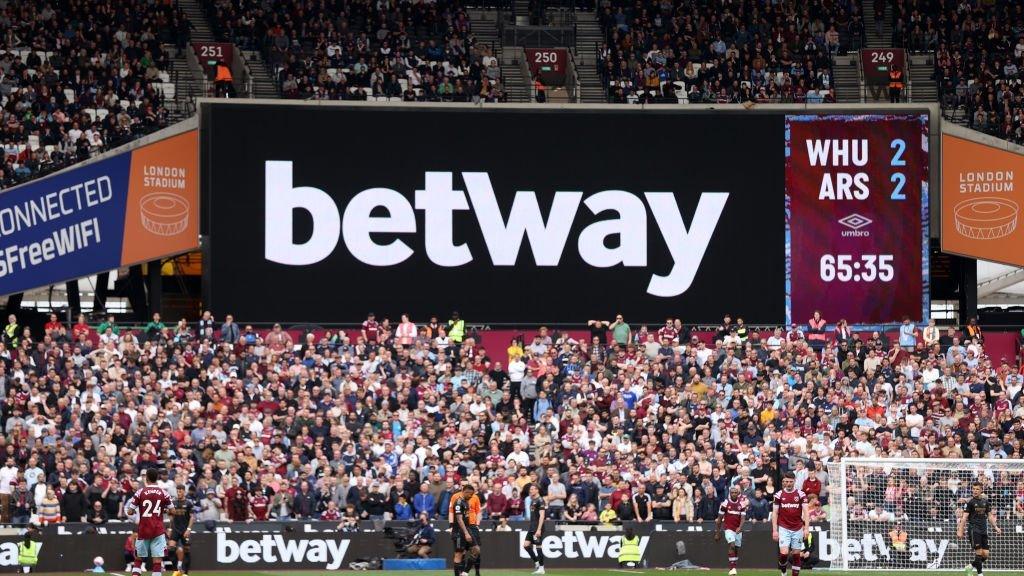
x=621 y=332
x=22 y=503
x=49 y=508
x=229 y=331
x=406 y=331
x=8 y=481
x=423 y=502
x=908 y=335
x=304 y=502
x=456 y=328
x=974 y=330
x=556 y=494
x=816 y=332
x=931 y=334
x=155 y=327
x=206 y=324
x=74 y=505
x=97 y=515
x=11 y=332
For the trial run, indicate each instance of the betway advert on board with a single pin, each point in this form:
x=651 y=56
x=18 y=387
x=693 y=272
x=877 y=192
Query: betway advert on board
x=555 y=215
x=128 y=208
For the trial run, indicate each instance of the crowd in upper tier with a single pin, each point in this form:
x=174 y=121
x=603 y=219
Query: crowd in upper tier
x=79 y=77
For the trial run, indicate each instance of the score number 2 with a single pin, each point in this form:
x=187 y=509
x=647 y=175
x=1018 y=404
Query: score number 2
x=899 y=179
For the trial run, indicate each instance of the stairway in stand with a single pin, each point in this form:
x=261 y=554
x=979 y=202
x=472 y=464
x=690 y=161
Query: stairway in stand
x=263 y=83
x=588 y=39
x=922 y=87
x=846 y=79
x=874 y=39
x=197 y=16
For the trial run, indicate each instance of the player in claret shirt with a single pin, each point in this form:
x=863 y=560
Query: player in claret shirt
x=789 y=520
x=150 y=503
x=732 y=513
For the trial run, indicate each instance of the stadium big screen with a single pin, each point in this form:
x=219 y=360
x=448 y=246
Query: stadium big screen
x=560 y=214
x=857 y=217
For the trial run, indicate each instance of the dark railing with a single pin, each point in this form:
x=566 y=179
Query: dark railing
x=538 y=36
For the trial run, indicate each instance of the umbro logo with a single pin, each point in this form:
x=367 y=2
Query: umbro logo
x=854 y=224
x=855 y=221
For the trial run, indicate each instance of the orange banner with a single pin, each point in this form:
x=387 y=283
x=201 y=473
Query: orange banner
x=163 y=199
x=981 y=201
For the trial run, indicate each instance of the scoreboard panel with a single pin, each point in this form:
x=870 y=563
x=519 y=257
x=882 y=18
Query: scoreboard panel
x=857 y=217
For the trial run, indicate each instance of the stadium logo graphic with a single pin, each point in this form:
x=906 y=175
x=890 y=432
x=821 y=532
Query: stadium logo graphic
x=986 y=218
x=855 y=224
x=361 y=226
x=164 y=214
x=275 y=548
x=579 y=545
x=872 y=547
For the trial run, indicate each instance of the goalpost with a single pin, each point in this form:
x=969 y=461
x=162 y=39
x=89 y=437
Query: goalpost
x=870 y=499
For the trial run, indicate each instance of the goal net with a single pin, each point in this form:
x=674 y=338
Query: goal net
x=873 y=501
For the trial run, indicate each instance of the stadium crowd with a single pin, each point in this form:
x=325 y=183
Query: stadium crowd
x=385 y=421
x=413 y=51
x=978 y=51
x=77 y=78
x=722 y=52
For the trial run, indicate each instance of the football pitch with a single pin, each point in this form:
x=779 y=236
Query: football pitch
x=563 y=572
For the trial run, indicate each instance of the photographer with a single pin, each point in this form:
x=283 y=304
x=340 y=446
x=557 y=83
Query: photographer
x=423 y=541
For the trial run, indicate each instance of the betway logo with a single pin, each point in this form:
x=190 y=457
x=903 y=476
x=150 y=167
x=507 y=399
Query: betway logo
x=439 y=200
x=9 y=554
x=579 y=545
x=274 y=548
x=873 y=547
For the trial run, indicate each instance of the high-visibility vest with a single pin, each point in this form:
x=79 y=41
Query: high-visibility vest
x=899 y=540
x=896 y=79
x=630 y=549
x=223 y=74
x=457 y=330
x=29 y=555
x=11 y=330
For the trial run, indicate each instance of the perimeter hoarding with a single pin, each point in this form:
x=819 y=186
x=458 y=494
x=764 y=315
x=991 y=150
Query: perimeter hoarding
x=506 y=214
x=131 y=207
x=981 y=200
